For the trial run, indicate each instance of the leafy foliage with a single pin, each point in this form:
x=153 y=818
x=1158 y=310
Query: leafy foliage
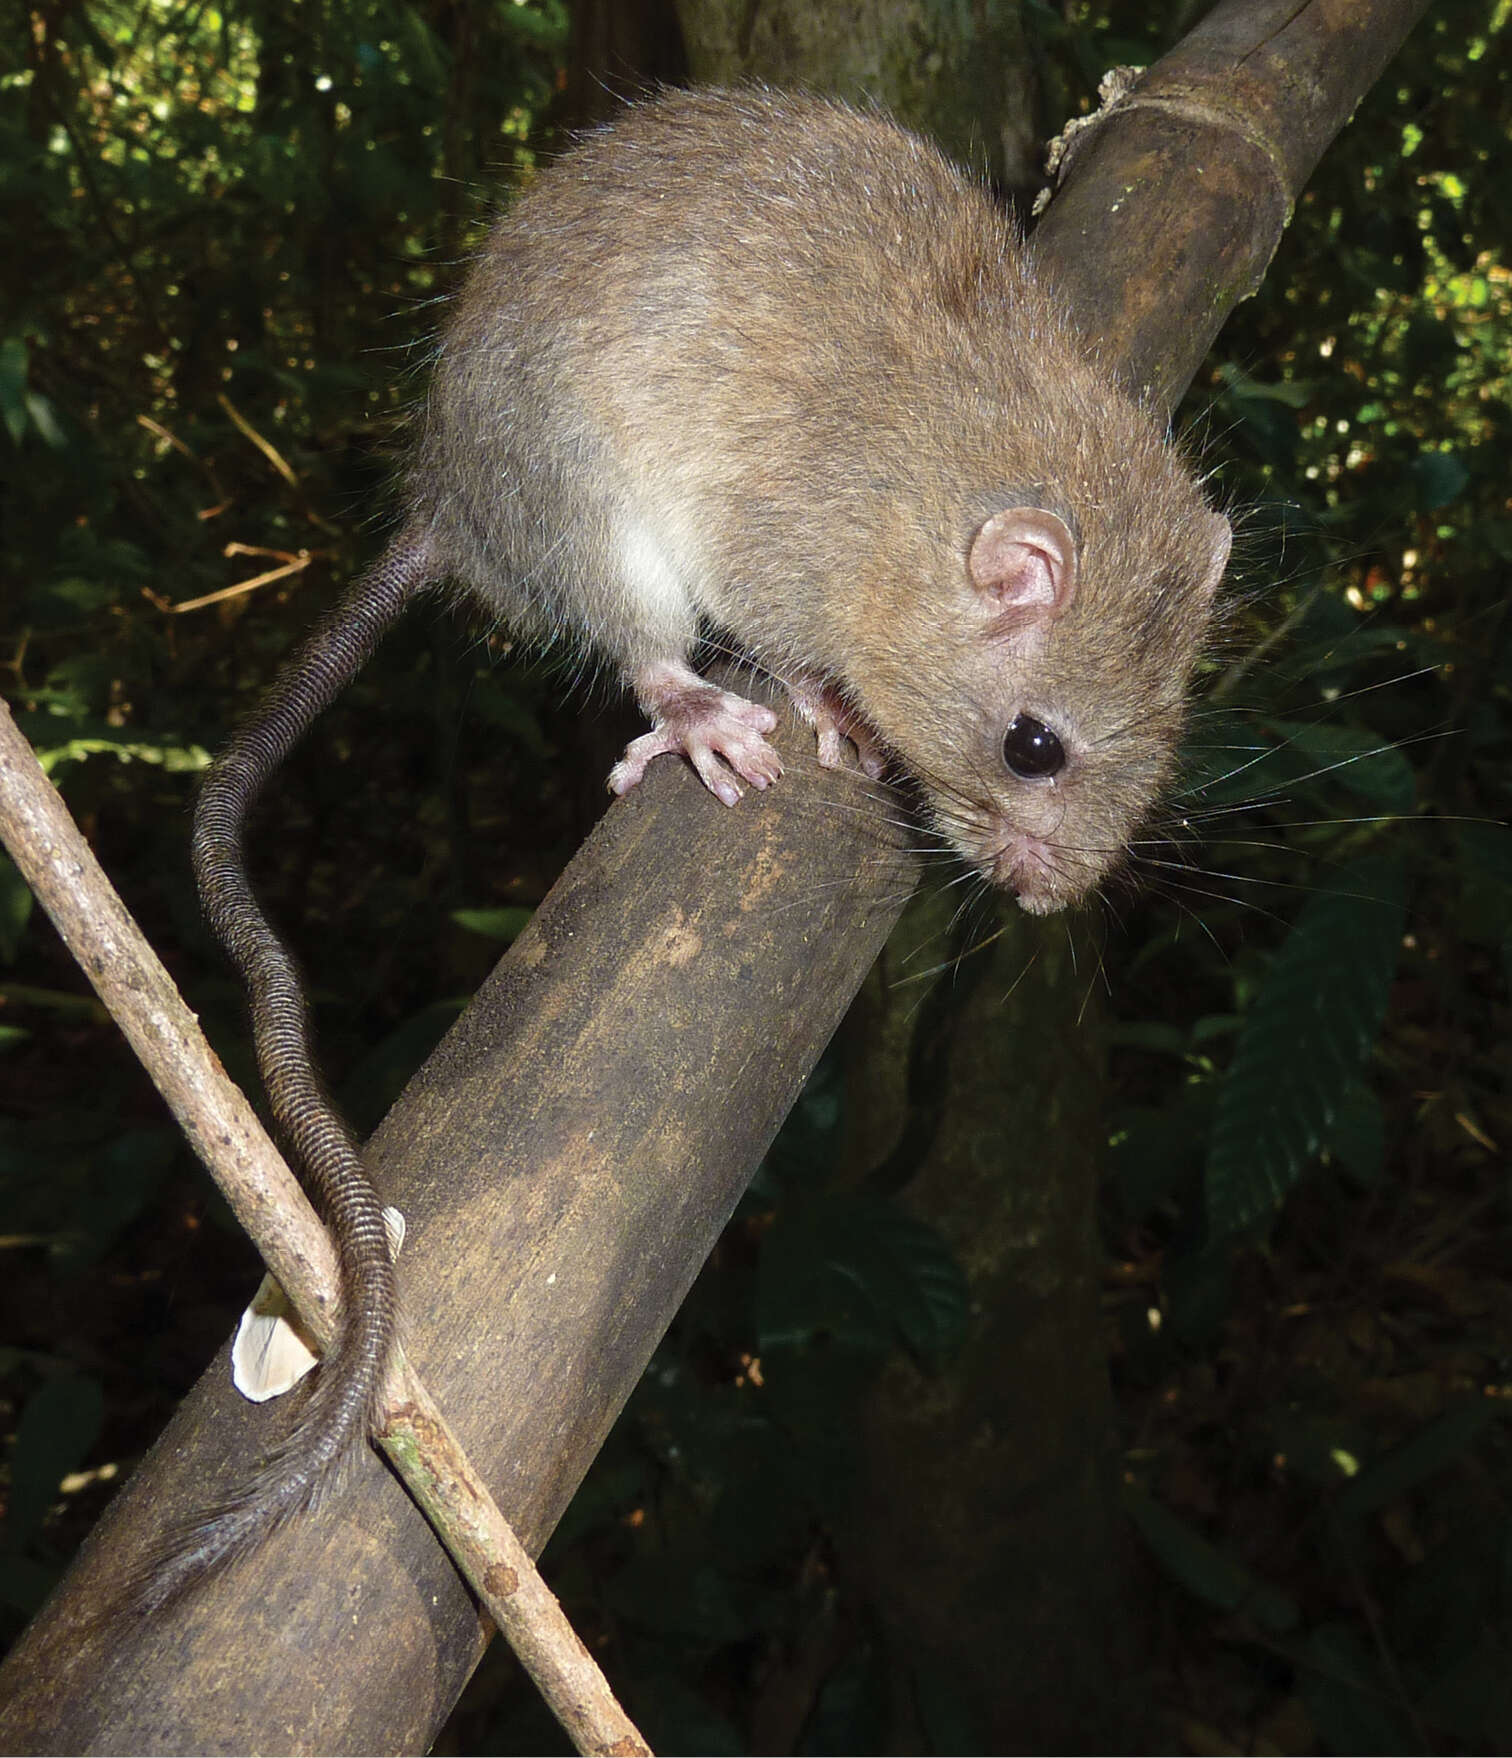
x=1334 y=1089
x=1302 y=1043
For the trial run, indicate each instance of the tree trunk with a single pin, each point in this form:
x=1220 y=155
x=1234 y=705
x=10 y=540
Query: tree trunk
x=991 y=1486
x=959 y=74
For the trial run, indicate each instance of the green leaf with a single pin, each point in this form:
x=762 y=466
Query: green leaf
x=68 y=599
x=1356 y=757
x=1320 y=1447
x=174 y=759
x=1212 y=1575
x=1152 y=1035
x=57 y=1428
x=122 y=1178
x=1221 y=759
x=1442 y=1442
x=70 y=1004
x=1485 y=876
x=765 y=1515
x=382 y=1074
x=1241 y=761
x=1155 y=1150
x=424 y=53
x=15 y=909
x=1303 y=1043
x=14 y=360
x=1453 y=1617
x=543 y=25
x=1439 y=478
x=1294 y=393
x=75 y=1178
x=24 y=1584
x=850 y=1713
x=505 y=924
x=500 y=703
x=1358 y=1135
x=45 y=419
x=861 y=1273
x=1351 y=643
x=804 y=1150
x=1349 y=1700
x=1199 y=1290
x=678 y=1718
x=681 y=1594
x=1470 y=1699
x=946 y=1709
x=1488 y=850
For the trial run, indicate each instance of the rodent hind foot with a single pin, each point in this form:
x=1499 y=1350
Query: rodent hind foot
x=836 y=723
x=721 y=735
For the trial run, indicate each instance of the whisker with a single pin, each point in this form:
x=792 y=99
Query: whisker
x=1168 y=887
x=1098 y=970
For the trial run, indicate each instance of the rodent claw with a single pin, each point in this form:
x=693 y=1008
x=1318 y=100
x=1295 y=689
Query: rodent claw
x=836 y=723
x=720 y=734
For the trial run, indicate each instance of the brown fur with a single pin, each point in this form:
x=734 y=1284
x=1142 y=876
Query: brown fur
x=790 y=357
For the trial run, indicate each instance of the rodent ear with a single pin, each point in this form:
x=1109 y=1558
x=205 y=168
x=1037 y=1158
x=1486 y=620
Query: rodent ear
x=1025 y=558
x=1220 y=537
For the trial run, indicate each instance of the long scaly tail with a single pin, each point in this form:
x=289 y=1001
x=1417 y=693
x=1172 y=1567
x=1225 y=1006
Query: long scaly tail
x=342 y=1404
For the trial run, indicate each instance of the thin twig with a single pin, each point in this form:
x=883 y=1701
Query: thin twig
x=69 y=883
x=271 y=452
x=436 y=1472
x=294 y=564
x=275 y=457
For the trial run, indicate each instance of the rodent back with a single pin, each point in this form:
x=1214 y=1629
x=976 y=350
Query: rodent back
x=774 y=326
x=712 y=318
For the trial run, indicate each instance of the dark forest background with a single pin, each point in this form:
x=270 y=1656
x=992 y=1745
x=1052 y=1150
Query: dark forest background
x=226 y=234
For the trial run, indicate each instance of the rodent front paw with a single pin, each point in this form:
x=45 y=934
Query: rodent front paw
x=721 y=735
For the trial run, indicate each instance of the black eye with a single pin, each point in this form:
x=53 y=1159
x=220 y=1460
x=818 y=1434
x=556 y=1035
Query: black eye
x=1030 y=749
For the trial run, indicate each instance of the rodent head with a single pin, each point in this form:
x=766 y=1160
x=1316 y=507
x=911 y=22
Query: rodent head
x=1041 y=715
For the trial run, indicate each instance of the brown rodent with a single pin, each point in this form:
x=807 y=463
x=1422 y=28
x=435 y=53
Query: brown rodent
x=771 y=364
x=767 y=367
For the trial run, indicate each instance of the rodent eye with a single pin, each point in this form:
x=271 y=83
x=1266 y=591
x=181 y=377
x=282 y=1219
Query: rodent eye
x=1031 y=750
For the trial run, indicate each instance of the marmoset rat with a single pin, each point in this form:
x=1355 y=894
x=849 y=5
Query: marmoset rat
x=765 y=368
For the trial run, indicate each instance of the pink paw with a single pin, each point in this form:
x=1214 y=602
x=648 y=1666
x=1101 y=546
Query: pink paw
x=835 y=723
x=719 y=734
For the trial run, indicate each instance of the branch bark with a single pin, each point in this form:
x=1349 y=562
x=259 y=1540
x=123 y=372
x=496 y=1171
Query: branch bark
x=1241 y=110
x=567 y=1158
